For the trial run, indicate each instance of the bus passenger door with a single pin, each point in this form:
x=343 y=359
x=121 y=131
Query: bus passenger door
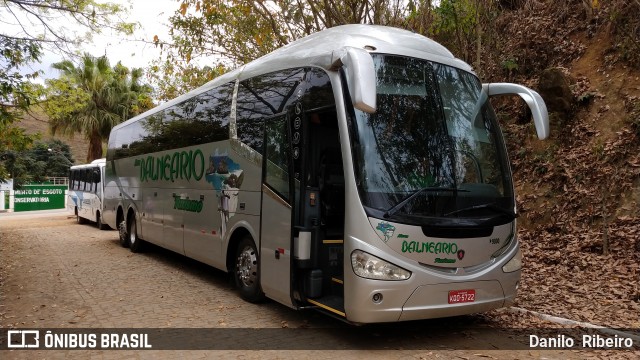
x=275 y=240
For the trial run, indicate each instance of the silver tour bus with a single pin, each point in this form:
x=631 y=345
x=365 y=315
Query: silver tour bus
x=359 y=171
x=85 y=198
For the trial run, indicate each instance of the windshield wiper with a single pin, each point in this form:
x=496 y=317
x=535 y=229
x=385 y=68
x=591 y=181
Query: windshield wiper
x=492 y=206
x=394 y=209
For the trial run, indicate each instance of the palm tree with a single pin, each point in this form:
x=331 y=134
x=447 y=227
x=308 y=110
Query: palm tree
x=95 y=99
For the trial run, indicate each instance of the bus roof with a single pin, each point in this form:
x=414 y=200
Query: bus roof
x=318 y=49
x=93 y=164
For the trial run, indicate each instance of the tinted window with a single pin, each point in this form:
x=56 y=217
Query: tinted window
x=277 y=155
x=264 y=96
x=210 y=115
x=319 y=92
x=198 y=120
x=433 y=149
x=148 y=138
x=125 y=141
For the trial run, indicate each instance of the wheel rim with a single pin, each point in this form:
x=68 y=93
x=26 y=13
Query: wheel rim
x=132 y=232
x=247 y=266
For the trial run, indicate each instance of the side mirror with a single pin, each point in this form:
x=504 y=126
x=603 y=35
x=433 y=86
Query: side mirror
x=532 y=98
x=361 y=76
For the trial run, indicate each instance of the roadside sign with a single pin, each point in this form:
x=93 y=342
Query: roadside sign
x=39 y=197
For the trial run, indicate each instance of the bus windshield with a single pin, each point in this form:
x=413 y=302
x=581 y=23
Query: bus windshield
x=433 y=151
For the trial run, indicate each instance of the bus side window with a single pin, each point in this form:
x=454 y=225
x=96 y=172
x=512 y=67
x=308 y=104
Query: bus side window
x=261 y=97
x=277 y=155
x=209 y=118
x=87 y=180
x=96 y=180
x=249 y=111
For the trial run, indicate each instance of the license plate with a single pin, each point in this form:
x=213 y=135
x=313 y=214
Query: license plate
x=462 y=296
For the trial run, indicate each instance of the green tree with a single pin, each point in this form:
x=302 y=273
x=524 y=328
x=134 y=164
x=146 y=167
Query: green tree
x=44 y=159
x=30 y=27
x=172 y=78
x=233 y=32
x=16 y=95
x=56 y=154
x=93 y=97
x=239 y=31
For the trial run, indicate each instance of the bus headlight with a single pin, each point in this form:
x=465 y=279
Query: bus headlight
x=514 y=264
x=372 y=267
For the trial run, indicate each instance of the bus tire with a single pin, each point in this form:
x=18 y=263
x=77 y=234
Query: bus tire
x=79 y=219
x=100 y=224
x=122 y=234
x=246 y=271
x=136 y=244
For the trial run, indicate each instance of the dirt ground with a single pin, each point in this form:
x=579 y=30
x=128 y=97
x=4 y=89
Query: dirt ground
x=56 y=274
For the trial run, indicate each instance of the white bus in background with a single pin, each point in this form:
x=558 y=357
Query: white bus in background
x=359 y=171
x=85 y=198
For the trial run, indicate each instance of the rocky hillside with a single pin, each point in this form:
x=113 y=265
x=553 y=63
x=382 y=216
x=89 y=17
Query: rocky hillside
x=36 y=122
x=579 y=191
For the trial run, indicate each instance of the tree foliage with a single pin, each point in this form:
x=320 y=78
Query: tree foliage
x=16 y=94
x=242 y=30
x=172 y=78
x=46 y=22
x=30 y=27
x=44 y=159
x=233 y=32
x=92 y=97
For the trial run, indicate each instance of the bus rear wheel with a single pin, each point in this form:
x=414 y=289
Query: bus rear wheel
x=122 y=234
x=135 y=243
x=246 y=271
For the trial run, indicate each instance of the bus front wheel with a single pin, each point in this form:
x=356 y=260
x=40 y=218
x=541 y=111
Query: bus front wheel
x=79 y=219
x=246 y=271
x=100 y=224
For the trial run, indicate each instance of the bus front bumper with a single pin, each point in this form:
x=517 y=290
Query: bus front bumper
x=431 y=301
x=427 y=302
